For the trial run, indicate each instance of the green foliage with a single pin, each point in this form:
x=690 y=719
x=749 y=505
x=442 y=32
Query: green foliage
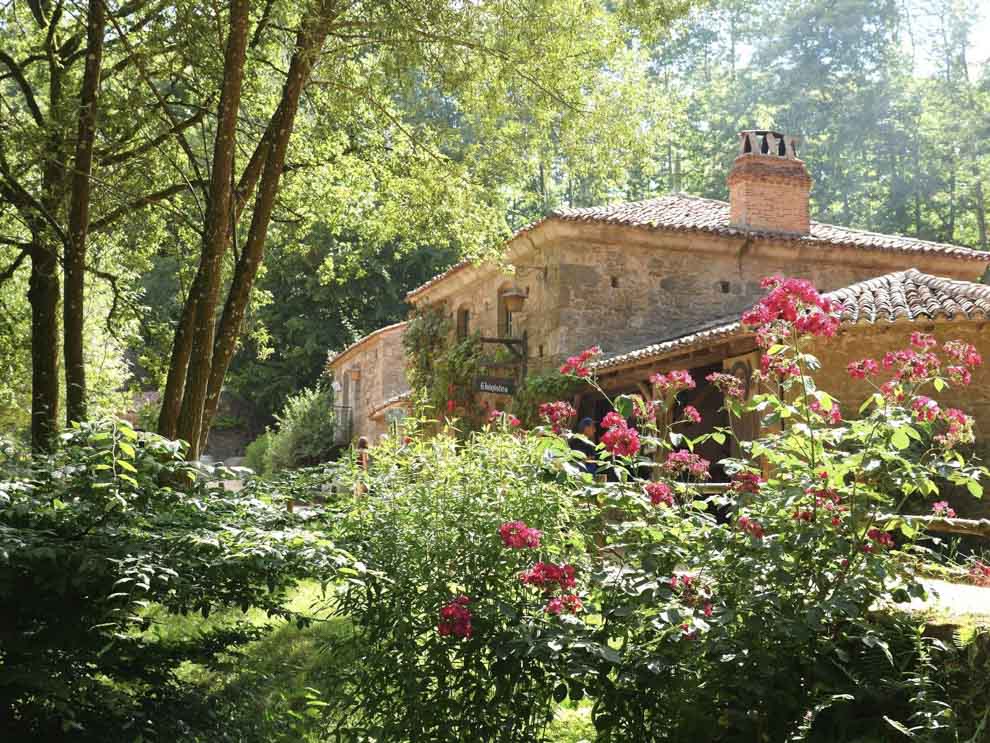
x=97 y=542
x=305 y=433
x=537 y=389
x=441 y=371
x=256 y=453
x=427 y=532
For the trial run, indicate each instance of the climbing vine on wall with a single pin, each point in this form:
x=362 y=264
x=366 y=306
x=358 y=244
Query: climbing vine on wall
x=441 y=372
x=537 y=389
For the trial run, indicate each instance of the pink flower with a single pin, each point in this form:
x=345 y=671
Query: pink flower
x=659 y=492
x=746 y=482
x=691 y=413
x=613 y=419
x=923 y=341
x=707 y=610
x=833 y=415
x=645 y=410
x=686 y=462
x=958 y=429
x=672 y=382
x=791 y=303
x=548 y=576
x=455 y=618
x=451 y=406
x=892 y=391
x=925 y=408
x=910 y=366
x=750 y=526
x=578 y=365
x=881 y=538
x=779 y=366
x=498 y=416
x=964 y=353
x=803 y=515
x=516 y=535
x=565 y=603
x=728 y=384
x=943 y=509
x=863 y=368
x=619 y=439
x=959 y=375
x=558 y=414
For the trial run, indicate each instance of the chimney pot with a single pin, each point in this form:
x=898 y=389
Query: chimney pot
x=768 y=185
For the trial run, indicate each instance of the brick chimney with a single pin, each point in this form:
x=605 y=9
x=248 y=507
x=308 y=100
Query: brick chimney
x=768 y=185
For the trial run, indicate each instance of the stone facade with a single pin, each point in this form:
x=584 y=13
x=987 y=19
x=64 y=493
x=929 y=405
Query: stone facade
x=369 y=382
x=629 y=276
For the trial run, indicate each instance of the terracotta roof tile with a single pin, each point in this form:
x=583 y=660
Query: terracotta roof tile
x=903 y=296
x=683 y=213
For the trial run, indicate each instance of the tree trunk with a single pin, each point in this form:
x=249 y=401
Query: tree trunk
x=202 y=297
x=73 y=308
x=43 y=296
x=309 y=42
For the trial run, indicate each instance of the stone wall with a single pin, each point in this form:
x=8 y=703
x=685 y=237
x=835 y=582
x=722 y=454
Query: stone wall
x=369 y=374
x=625 y=296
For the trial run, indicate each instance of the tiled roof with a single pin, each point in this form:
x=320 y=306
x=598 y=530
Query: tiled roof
x=393 y=400
x=905 y=295
x=909 y=295
x=335 y=357
x=682 y=213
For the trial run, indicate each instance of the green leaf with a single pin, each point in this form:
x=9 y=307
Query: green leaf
x=974 y=488
x=718 y=437
x=900 y=439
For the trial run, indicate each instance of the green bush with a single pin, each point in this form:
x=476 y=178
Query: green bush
x=95 y=542
x=305 y=431
x=256 y=453
x=426 y=533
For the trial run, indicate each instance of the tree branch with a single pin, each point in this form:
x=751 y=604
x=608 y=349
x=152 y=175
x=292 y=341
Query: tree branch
x=104 y=222
x=12 y=268
x=115 y=159
x=18 y=74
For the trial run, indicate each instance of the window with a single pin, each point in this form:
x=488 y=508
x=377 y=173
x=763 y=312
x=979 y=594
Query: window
x=504 y=317
x=725 y=286
x=615 y=282
x=463 y=323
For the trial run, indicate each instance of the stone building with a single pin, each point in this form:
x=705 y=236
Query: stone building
x=661 y=283
x=369 y=383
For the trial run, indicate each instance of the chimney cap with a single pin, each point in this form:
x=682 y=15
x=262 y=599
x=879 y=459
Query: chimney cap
x=767 y=142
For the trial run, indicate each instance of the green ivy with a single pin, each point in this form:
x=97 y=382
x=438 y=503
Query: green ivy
x=538 y=389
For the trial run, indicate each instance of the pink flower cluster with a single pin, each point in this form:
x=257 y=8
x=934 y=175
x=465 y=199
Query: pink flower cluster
x=879 y=538
x=686 y=462
x=778 y=366
x=728 y=384
x=979 y=573
x=659 y=492
x=791 y=303
x=691 y=414
x=964 y=353
x=565 y=603
x=909 y=365
x=943 y=509
x=958 y=429
x=925 y=408
x=578 y=365
x=672 y=382
x=750 y=526
x=619 y=438
x=499 y=417
x=863 y=368
x=833 y=415
x=549 y=576
x=645 y=410
x=558 y=414
x=746 y=482
x=455 y=618
x=516 y=535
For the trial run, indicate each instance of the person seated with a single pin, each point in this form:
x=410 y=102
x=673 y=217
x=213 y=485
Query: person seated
x=586 y=446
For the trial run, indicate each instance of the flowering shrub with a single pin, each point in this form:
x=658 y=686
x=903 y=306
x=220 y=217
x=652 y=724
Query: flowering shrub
x=748 y=614
x=468 y=569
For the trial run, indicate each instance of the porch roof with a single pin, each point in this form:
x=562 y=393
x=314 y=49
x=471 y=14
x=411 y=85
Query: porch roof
x=903 y=296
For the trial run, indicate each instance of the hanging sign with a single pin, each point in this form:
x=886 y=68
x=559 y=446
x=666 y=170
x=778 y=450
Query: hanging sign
x=495 y=385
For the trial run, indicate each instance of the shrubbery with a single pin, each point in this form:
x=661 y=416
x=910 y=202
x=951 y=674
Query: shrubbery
x=115 y=523
x=305 y=433
x=768 y=612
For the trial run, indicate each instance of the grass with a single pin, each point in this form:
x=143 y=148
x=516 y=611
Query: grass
x=270 y=689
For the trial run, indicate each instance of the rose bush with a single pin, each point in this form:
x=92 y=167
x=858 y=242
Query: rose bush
x=765 y=611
